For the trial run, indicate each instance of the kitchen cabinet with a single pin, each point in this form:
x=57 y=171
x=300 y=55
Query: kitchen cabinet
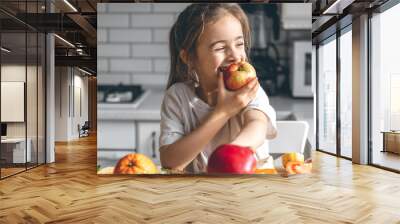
x=114 y=134
x=296 y=16
x=129 y=128
x=148 y=134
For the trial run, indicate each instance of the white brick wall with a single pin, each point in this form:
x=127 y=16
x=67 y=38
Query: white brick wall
x=112 y=20
x=130 y=35
x=156 y=79
x=112 y=50
x=114 y=78
x=102 y=65
x=161 y=65
x=150 y=50
x=152 y=20
x=161 y=35
x=129 y=7
x=132 y=40
x=102 y=35
x=170 y=7
x=130 y=65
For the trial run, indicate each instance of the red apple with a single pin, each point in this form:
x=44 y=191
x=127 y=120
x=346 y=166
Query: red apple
x=232 y=159
x=238 y=74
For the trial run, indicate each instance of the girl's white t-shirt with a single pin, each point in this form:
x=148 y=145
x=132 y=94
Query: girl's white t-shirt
x=182 y=111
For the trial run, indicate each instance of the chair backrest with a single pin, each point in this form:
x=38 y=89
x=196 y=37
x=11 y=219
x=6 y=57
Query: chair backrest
x=86 y=125
x=292 y=137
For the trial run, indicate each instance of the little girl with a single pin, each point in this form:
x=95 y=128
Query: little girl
x=198 y=114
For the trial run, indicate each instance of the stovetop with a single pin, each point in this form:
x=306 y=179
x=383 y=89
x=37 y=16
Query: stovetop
x=118 y=93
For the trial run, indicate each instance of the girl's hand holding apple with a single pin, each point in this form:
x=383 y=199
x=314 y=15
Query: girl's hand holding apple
x=232 y=102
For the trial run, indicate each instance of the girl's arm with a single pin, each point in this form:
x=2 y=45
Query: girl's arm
x=254 y=131
x=180 y=153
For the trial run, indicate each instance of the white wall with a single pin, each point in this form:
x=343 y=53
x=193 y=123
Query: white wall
x=15 y=72
x=69 y=82
x=132 y=42
x=82 y=82
x=79 y=117
x=61 y=103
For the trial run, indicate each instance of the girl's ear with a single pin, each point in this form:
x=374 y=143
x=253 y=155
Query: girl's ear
x=184 y=56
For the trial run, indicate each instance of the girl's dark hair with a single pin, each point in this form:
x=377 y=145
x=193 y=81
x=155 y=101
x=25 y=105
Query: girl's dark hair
x=189 y=26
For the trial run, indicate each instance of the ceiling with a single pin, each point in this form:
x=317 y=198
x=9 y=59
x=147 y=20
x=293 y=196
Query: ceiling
x=331 y=15
x=74 y=21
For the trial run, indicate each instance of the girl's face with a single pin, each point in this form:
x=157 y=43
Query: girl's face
x=220 y=44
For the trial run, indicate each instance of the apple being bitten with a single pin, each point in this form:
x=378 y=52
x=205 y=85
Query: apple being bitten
x=238 y=74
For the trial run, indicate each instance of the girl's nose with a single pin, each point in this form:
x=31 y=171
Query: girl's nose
x=235 y=55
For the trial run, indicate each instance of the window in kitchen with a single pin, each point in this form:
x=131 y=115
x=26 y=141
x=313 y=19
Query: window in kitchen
x=346 y=92
x=385 y=89
x=327 y=95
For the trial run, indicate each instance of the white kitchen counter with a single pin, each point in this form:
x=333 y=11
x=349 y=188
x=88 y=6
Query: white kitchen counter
x=148 y=109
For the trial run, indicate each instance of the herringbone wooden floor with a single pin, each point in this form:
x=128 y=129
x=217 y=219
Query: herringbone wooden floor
x=69 y=191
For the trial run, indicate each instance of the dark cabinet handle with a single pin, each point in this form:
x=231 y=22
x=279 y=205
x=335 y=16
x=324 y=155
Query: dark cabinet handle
x=153 y=143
